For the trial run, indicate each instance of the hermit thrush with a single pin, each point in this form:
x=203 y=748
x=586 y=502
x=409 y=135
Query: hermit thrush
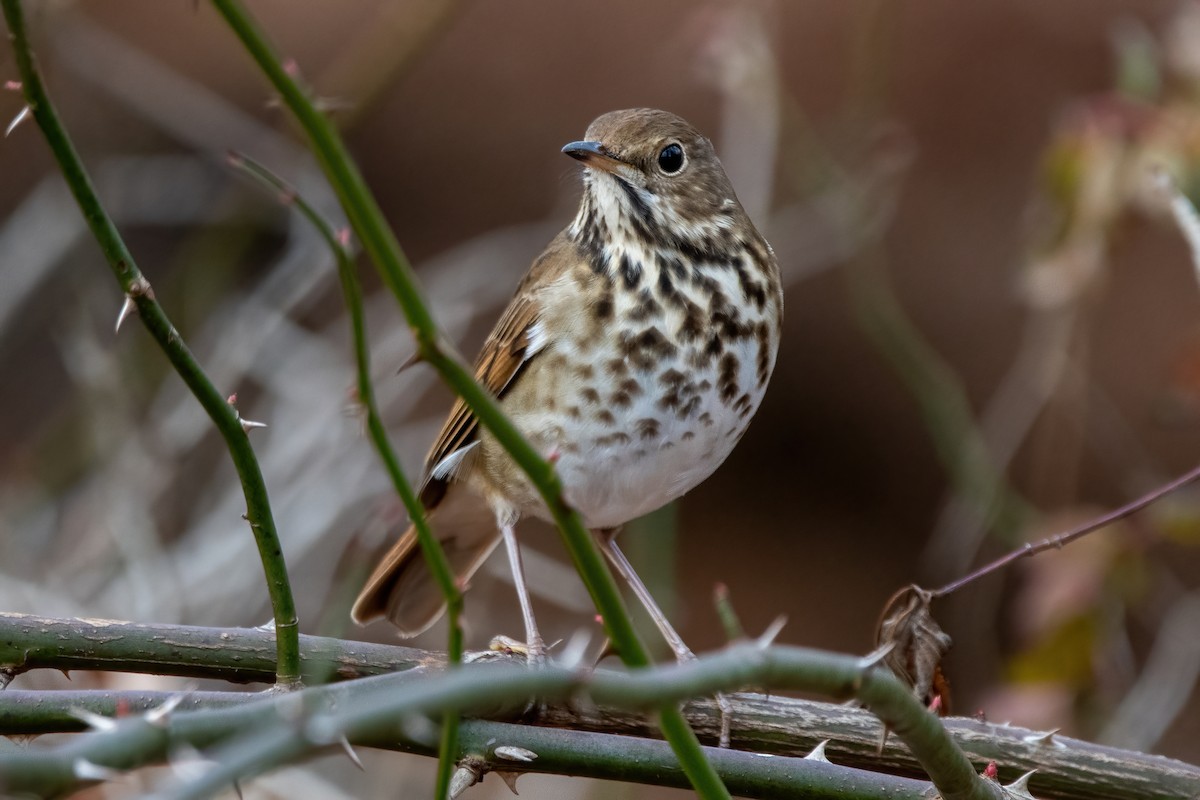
x=635 y=352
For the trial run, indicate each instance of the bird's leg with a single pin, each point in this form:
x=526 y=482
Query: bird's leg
x=608 y=545
x=533 y=639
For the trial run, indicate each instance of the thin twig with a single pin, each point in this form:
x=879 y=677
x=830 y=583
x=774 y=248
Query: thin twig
x=137 y=288
x=1059 y=540
x=431 y=549
x=380 y=244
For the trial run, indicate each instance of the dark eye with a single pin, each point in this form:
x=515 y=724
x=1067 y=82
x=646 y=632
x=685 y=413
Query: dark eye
x=670 y=159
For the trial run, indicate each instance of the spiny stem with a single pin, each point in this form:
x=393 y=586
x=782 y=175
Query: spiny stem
x=431 y=548
x=137 y=288
x=380 y=244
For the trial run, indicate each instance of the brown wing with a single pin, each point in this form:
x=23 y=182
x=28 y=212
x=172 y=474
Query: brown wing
x=504 y=354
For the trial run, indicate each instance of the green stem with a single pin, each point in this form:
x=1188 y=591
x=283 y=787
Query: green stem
x=369 y=708
x=431 y=548
x=137 y=289
x=380 y=244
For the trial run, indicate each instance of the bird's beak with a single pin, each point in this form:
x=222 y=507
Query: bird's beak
x=593 y=154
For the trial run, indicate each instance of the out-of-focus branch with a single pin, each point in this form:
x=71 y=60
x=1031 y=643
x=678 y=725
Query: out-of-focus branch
x=371 y=707
x=139 y=295
x=490 y=748
x=380 y=244
x=431 y=549
x=780 y=726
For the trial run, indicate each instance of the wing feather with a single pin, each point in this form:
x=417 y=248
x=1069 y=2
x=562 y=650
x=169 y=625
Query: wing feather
x=509 y=347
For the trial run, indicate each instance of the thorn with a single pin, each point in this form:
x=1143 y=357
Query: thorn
x=773 y=630
x=1020 y=787
x=818 y=753
x=990 y=771
x=576 y=649
x=232 y=399
x=343 y=237
x=287 y=197
x=235 y=159
x=873 y=658
x=249 y=424
x=353 y=756
x=327 y=104
x=466 y=776
x=96 y=722
x=237 y=789
x=21 y=116
x=86 y=770
x=6 y=677
x=553 y=456
x=127 y=308
x=510 y=780
x=269 y=625
x=12 y=86
x=935 y=705
x=1044 y=739
x=415 y=358
x=159 y=716
x=66 y=673
x=291 y=67
x=509 y=753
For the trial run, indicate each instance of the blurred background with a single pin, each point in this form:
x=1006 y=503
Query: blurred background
x=992 y=328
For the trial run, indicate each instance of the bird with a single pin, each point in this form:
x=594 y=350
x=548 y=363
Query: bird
x=633 y=354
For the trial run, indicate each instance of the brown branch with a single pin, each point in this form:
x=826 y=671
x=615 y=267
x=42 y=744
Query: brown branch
x=1067 y=768
x=1059 y=540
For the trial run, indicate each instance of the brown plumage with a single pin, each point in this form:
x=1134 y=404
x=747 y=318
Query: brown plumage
x=635 y=351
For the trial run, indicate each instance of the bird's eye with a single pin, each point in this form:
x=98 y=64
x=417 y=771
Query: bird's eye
x=670 y=159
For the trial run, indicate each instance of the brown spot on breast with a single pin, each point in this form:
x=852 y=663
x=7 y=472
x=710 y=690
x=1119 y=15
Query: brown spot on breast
x=604 y=306
x=632 y=386
x=616 y=437
x=630 y=270
x=692 y=326
x=672 y=377
x=584 y=372
x=688 y=408
x=574 y=412
x=645 y=349
x=688 y=436
x=621 y=399
x=646 y=308
x=727 y=369
x=763 y=367
x=605 y=417
x=706 y=419
x=589 y=395
x=647 y=427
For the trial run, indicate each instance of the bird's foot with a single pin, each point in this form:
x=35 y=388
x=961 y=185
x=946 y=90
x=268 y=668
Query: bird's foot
x=534 y=650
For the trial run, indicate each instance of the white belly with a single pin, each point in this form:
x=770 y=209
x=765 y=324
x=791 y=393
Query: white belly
x=613 y=472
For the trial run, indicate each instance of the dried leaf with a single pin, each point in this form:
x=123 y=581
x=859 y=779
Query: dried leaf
x=917 y=645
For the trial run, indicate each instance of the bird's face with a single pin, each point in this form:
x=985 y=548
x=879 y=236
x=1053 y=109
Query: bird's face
x=652 y=171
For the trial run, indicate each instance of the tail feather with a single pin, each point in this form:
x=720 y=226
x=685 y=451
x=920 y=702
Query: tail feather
x=403 y=589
